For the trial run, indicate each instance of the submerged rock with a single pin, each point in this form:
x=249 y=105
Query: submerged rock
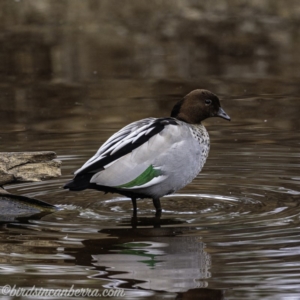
x=14 y=207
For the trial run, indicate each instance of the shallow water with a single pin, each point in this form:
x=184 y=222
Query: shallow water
x=233 y=232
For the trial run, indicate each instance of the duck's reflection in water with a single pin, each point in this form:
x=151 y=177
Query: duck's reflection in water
x=155 y=259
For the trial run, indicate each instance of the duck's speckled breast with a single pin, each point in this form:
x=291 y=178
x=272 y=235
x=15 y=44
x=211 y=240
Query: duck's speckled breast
x=201 y=135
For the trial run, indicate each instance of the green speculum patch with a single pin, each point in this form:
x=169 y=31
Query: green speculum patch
x=145 y=177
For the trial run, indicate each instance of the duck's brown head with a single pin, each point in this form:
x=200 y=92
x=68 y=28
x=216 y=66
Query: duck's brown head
x=197 y=106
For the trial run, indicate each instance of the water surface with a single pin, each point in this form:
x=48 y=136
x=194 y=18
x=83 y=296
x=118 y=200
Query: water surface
x=233 y=232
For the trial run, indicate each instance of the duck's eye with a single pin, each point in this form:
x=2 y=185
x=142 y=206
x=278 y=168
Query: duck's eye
x=208 y=101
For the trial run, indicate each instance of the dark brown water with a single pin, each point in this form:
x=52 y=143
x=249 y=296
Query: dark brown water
x=235 y=229
x=73 y=74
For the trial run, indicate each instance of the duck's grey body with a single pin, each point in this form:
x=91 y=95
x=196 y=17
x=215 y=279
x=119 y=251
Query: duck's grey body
x=152 y=157
x=177 y=154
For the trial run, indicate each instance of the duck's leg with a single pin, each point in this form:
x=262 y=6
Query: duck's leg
x=156 y=203
x=133 y=200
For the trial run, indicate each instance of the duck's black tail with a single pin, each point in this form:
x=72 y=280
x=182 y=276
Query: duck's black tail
x=79 y=182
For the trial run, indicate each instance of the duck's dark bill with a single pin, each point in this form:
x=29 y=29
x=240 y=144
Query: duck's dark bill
x=222 y=114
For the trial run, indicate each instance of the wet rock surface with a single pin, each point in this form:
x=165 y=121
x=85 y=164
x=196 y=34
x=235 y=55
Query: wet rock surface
x=14 y=207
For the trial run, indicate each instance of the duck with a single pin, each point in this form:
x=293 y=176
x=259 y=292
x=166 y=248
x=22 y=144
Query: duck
x=153 y=157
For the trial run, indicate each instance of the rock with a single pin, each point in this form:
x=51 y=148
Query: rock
x=3 y=191
x=15 y=207
x=28 y=166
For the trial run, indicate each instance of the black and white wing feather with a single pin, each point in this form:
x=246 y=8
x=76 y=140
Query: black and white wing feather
x=123 y=142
